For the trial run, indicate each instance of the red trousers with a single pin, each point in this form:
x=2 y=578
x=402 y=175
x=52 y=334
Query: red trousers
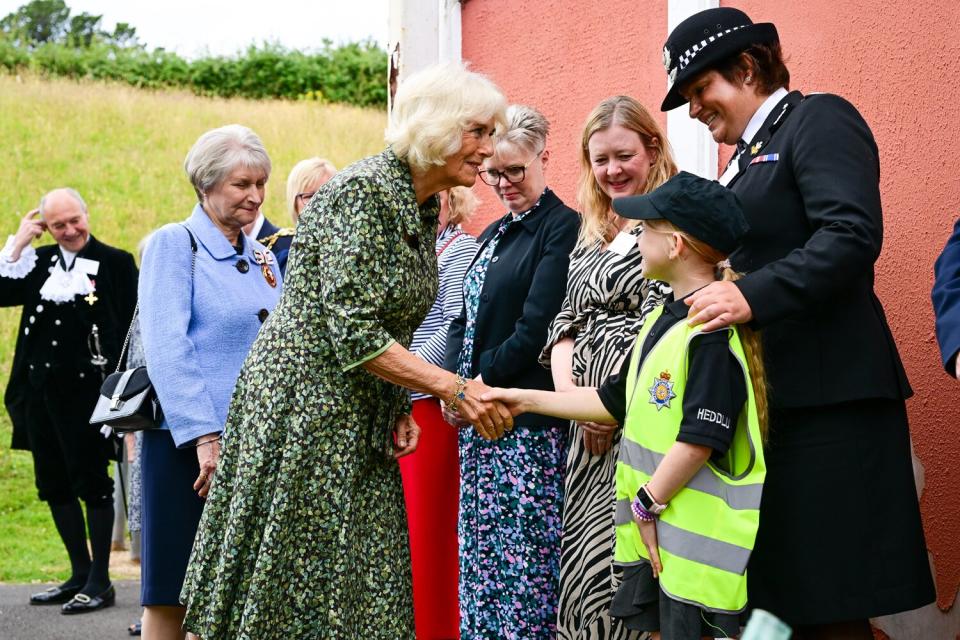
x=431 y=486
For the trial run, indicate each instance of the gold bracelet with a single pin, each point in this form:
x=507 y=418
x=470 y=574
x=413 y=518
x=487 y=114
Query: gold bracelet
x=458 y=395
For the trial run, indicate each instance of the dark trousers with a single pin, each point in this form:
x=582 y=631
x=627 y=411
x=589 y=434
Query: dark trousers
x=70 y=456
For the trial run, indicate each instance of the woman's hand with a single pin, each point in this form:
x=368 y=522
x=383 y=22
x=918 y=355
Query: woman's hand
x=489 y=417
x=208 y=454
x=597 y=438
x=30 y=229
x=648 y=533
x=406 y=436
x=718 y=305
x=453 y=418
x=130 y=442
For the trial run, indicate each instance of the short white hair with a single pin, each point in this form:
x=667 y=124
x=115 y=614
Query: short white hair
x=433 y=107
x=302 y=174
x=219 y=151
x=73 y=193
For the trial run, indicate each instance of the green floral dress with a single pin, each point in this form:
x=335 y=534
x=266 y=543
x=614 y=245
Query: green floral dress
x=304 y=532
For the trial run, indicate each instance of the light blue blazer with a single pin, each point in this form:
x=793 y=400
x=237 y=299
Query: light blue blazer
x=198 y=330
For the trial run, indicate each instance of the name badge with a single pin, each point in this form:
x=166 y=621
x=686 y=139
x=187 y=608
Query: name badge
x=623 y=243
x=89 y=267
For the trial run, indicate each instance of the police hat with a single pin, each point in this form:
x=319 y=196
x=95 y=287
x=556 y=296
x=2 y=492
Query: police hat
x=702 y=208
x=706 y=39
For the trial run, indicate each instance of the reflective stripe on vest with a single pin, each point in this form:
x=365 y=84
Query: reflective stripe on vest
x=707 y=533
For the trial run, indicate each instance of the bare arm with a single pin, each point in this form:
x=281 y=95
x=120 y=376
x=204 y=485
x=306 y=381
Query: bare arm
x=582 y=403
x=399 y=366
x=681 y=463
x=561 y=364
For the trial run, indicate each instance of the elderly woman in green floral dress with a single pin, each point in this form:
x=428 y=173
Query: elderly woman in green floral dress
x=304 y=533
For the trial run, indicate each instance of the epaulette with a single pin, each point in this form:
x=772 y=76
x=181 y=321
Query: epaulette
x=271 y=240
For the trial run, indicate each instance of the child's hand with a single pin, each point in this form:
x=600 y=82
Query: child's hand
x=648 y=532
x=514 y=399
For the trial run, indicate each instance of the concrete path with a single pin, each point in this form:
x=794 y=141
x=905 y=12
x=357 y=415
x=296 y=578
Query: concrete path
x=21 y=621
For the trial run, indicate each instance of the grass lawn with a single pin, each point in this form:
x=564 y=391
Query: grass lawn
x=123 y=150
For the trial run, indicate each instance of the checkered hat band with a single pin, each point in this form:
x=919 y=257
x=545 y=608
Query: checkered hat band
x=687 y=56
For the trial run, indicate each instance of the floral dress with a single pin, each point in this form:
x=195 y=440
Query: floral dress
x=607 y=301
x=304 y=532
x=511 y=492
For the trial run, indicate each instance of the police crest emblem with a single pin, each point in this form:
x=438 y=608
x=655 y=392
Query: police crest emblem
x=661 y=393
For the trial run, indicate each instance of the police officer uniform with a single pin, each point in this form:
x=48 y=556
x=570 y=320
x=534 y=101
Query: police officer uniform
x=839 y=490
x=57 y=370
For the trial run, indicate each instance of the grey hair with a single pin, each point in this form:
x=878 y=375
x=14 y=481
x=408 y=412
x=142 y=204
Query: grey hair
x=219 y=151
x=67 y=190
x=527 y=128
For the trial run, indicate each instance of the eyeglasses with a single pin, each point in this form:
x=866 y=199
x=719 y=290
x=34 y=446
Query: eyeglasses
x=514 y=174
x=305 y=197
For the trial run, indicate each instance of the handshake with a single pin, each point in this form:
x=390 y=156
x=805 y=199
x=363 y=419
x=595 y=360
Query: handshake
x=468 y=407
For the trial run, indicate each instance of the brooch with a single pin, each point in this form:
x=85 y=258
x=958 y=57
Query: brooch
x=265 y=259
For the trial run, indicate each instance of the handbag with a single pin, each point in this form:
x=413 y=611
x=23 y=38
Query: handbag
x=128 y=401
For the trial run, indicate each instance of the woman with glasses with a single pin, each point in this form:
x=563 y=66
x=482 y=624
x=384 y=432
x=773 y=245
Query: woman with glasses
x=511 y=489
x=305 y=178
x=623 y=152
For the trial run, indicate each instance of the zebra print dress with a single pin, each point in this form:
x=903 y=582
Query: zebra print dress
x=607 y=300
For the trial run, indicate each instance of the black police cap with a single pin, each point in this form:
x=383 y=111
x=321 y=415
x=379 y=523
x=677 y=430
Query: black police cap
x=702 y=208
x=705 y=40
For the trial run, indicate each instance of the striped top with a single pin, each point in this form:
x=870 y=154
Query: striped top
x=430 y=338
x=607 y=300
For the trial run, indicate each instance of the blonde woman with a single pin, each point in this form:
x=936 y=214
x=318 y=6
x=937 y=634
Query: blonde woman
x=623 y=153
x=303 y=534
x=305 y=178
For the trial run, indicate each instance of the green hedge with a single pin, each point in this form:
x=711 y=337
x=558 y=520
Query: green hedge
x=354 y=73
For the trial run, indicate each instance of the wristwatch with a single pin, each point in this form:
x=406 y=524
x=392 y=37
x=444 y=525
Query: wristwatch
x=651 y=505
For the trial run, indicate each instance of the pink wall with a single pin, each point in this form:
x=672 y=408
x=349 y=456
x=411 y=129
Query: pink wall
x=898 y=62
x=543 y=54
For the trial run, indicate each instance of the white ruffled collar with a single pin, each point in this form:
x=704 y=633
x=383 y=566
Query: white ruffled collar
x=62 y=285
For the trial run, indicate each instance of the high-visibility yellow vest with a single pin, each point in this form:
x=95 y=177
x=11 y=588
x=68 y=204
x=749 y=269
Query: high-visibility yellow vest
x=707 y=532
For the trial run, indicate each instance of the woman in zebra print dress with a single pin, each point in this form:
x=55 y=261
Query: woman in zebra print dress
x=623 y=152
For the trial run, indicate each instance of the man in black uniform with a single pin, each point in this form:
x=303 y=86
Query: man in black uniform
x=78 y=297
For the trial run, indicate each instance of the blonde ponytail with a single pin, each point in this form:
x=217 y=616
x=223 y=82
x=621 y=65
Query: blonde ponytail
x=753 y=348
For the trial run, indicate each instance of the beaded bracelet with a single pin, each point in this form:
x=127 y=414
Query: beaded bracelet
x=458 y=394
x=640 y=512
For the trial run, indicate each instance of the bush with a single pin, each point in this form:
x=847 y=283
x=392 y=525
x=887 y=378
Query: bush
x=354 y=73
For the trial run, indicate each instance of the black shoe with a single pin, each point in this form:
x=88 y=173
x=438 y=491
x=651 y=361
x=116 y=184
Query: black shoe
x=135 y=629
x=82 y=603
x=55 y=595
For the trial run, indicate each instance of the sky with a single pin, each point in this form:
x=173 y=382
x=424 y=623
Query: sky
x=222 y=27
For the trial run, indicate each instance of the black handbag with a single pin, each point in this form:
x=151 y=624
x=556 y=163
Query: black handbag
x=128 y=401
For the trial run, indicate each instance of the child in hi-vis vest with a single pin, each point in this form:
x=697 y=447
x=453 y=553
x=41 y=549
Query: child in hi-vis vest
x=693 y=410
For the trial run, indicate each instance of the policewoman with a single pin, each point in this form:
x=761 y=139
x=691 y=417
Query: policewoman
x=840 y=538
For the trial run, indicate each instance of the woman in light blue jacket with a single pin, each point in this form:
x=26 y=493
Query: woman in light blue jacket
x=205 y=290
